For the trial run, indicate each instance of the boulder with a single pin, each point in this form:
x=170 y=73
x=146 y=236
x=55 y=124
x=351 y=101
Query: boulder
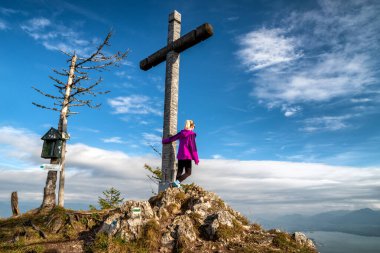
x=212 y=223
x=130 y=221
x=302 y=240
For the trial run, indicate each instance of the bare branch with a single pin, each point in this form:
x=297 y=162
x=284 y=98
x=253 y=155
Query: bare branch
x=57 y=80
x=94 y=106
x=59 y=87
x=81 y=73
x=88 y=89
x=80 y=78
x=65 y=73
x=45 y=94
x=155 y=150
x=100 y=47
x=45 y=107
x=72 y=105
x=68 y=54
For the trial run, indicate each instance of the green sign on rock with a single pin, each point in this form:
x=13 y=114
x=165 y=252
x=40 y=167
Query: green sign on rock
x=136 y=210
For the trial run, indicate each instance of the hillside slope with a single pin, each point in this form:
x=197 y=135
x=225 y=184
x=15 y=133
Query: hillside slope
x=177 y=220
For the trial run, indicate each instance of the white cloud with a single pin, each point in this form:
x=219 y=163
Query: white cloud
x=8 y=11
x=151 y=138
x=249 y=151
x=87 y=129
x=123 y=74
x=134 y=104
x=290 y=111
x=54 y=36
x=3 y=25
x=326 y=123
x=361 y=100
x=160 y=130
x=115 y=139
x=217 y=156
x=234 y=18
x=235 y=144
x=336 y=75
x=266 y=47
x=272 y=187
x=35 y=25
x=127 y=63
x=339 y=43
x=19 y=143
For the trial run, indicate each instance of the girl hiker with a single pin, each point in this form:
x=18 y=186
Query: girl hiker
x=187 y=151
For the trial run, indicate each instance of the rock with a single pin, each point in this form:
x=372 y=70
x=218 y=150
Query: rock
x=56 y=225
x=129 y=222
x=184 y=228
x=176 y=220
x=302 y=239
x=212 y=223
x=112 y=224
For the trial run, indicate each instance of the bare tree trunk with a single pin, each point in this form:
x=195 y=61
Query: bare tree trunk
x=49 y=191
x=14 y=204
x=62 y=128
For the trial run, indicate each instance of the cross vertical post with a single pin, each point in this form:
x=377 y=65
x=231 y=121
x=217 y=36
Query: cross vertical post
x=171 y=103
x=170 y=53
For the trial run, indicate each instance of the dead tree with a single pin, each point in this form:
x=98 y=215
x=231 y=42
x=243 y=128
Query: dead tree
x=73 y=93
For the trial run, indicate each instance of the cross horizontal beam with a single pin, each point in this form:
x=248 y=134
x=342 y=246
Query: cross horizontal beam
x=188 y=40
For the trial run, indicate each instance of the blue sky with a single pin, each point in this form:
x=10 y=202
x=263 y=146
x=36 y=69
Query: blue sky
x=285 y=97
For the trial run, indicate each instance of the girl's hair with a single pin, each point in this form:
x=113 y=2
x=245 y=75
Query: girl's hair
x=189 y=124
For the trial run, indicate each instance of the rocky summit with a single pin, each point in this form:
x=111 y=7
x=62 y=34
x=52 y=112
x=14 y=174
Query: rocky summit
x=187 y=219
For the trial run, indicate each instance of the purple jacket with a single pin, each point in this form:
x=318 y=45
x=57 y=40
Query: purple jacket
x=187 y=146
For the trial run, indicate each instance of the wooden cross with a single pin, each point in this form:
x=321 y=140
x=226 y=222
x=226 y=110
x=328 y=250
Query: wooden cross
x=176 y=44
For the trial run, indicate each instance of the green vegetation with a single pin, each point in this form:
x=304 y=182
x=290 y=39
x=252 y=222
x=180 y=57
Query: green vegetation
x=156 y=173
x=111 y=199
x=225 y=232
x=287 y=244
x=243 y=220
x=149 y=241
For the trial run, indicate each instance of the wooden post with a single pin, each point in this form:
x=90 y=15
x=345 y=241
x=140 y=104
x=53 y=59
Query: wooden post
x=62 y=128
x=171 y=52
x=14 y=204
x=171 y=103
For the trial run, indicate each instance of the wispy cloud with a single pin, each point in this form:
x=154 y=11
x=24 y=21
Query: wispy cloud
x=235 y=144
x=9 y=11
x=123 y=74
x=326 y=123
x=3 y=25
x=217 y=156
x=290 y=110
x=19 y=143
x=317 y=56
x=266 y=47
x=115 y=139
x=231 y=19
x=127 y=63
x=150 y=139
x=361 y=100
x=134 y=104
x=54 y=36
x=87 y=129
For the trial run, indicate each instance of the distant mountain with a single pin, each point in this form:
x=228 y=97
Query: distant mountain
x=361 y=222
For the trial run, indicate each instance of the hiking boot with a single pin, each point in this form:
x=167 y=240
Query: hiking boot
x=176 y=184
